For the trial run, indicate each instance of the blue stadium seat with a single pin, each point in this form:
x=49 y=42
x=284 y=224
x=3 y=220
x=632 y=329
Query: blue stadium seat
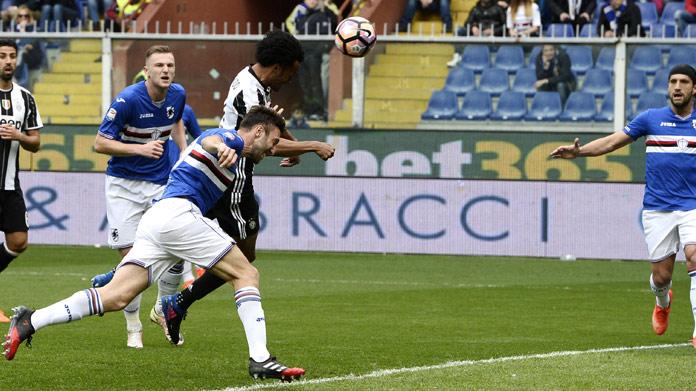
x=606 y=111
x=636 y=83
x=660 y=80
x=460 y=81
x=690 y=31
x=442 y=105
x=648 y=14
x=589 y=30
x=647 y=58
x=511 y=106
x=668 y=12
x=509 y=58
x=580 y=106
x=605 y=59
x=560 y=30
x=580 y=58
x=649 y=100
x=546 y=106
x=477 y=106
x=531 y=61
x=476 y=58
x=658 y=30
x=524 y=81
x=597 y=82
x=679 y=54
x=494 y=81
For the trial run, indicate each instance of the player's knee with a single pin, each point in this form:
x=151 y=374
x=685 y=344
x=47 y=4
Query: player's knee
x=661 y=277
x=249 y=273
x=17 y=245
x=115 y=301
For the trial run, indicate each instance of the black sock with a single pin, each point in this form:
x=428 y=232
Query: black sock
x=5 y=257
x=200 y=288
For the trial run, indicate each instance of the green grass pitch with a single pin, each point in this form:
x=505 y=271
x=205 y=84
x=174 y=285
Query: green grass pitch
x=339 y=314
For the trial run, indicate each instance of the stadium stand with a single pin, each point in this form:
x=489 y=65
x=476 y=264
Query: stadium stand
x=580 y=106
x=560 y=30
x=606 y=110
x=647 y=58
x=524 y=81
x=681 y=55
x=509 y=58
x=598 y=82
x=442 y=105
x=460 y=81
x=649 y=100
x=659 y=84
x=580 y=58
x=533 y=54
x=690 y=31
x=476 y=58
x=648 y=13
x=476 y=106
x=636 y=82
x=494 y=81
x=659 y=30
x=512 y=106
x=605 y=59
x=589 y=30
x=667 y=17
x=546 y=106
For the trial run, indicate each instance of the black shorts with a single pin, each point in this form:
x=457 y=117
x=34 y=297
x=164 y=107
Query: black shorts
x=239 y=220
x=13 y=211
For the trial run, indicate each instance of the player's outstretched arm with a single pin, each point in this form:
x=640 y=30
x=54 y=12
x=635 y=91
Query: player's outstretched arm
x=596 y=147
x=216 y=146
x=153 y=149
x=287 y=148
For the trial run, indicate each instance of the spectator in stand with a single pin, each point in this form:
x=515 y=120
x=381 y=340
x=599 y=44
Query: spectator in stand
x=575 y=12
x=30 y=50
x=619 y=18
x=487 y=18
x=523 y=19
x=122 y=13
x=57 y=13
x=298 y=120
x=553 y=72
x=96 y=9
x=428 y=6
x=685 y=16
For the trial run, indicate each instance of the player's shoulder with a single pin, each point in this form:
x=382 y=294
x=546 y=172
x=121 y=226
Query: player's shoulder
x=177 y=89
x=21 y=89
x=131 y=92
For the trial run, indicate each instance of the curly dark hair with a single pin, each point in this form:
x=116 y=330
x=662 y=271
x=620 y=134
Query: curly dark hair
x=8 y=42
x=279 y=47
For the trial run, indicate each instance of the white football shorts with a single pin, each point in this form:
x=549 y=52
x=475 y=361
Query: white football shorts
x=126 y=202
x=667 y=231
x=174 y=229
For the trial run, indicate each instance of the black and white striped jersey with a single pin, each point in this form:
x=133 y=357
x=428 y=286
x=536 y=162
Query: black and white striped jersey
x=18 y=108
x=245 y=91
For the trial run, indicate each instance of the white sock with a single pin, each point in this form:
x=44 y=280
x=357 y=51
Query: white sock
x=80 y=304
x=168 y=284
x=132 y=314
x=692 y=296
x=661 y=293
x=248 y=302
x=188 y=272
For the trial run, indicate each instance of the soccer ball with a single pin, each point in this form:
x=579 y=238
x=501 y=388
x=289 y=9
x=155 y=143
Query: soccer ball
x=355 y=36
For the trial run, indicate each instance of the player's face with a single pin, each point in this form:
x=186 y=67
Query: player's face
x=282 y=75
x=8 y=62
x=160 y=69
x=680 y=90
x=264 y=143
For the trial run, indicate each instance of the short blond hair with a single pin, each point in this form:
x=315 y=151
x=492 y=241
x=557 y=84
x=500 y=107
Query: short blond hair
x=156 y=49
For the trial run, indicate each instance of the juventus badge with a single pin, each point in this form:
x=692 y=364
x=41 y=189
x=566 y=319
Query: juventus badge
x=170 y=112
x=6 y=104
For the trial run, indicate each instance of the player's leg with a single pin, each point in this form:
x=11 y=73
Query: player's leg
x=687 y=235
x=187 y=276
x=128 y=281
x=14 y=225
x=662 y=237
x=167 y=286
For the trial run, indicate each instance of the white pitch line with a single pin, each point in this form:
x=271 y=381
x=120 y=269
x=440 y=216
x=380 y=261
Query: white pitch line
x=453 y=364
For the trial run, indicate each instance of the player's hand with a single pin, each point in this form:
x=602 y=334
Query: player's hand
x=290 y=161
x=567 y=151
x=153 y=150
x=9 y=132
x=324 y=151
x=226 y=155
x=275 y=108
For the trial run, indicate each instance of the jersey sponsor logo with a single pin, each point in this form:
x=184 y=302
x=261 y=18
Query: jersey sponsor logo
x=146 y=115
x=669 y=124
x=111 y=114
x=6 y=104
x=170 y=112
x=17 y=124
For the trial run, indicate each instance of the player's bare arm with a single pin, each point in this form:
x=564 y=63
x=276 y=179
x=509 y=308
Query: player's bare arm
x=215 y=145
x=287 y=148
x=153 y=150
x=31 y=140
x=596 y=147
x=179 y=135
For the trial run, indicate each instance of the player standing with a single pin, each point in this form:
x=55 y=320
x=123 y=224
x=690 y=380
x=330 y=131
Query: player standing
x=134 y=132
x=174 y=228
x=669 y=203
x=278 y=58
x=20 y=124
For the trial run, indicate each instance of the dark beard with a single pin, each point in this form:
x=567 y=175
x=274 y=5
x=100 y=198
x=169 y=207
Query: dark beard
x=683 y=105
x=5 y=77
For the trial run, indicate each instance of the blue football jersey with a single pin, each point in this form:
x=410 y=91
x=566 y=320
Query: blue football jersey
x=134 y=118
x=670 y=158
x=192 y=128
x=198 y=175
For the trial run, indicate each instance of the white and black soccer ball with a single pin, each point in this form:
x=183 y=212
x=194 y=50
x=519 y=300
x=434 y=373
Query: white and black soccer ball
x=355 y=36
